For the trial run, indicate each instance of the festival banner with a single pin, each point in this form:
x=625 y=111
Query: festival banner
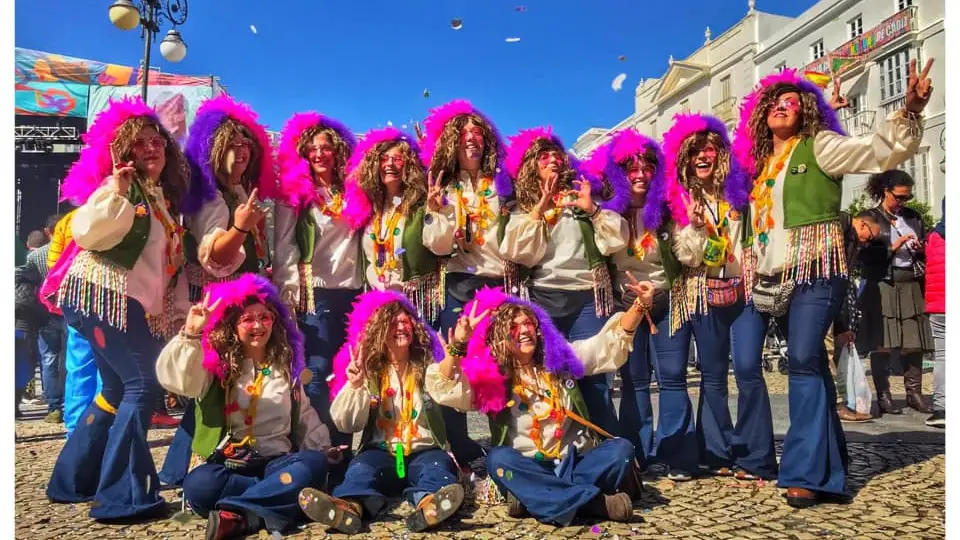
x=38 y=66
x=51 y=98
x=175 y=105
x=856 y=50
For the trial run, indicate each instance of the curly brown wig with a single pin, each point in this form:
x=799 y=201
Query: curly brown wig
x=810 y=123
x=445 y=158
x=221 y=148
x=176 y=170
x=224 y=339
x=527 y=184
x=376 y=334
x=688 y=151
x=413 y=178
x=341 y=151
x=878 y=184
x=500 y=338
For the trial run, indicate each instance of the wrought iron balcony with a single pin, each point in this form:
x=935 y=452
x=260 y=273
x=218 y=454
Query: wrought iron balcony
x=860 y=123
x=726 y=110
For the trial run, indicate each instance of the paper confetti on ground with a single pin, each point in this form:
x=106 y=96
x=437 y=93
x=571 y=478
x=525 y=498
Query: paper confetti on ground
x=253 y=29
x=617 y=83
x=512 y=39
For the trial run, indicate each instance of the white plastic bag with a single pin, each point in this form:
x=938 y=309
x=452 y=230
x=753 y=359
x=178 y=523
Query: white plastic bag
x=859 y=395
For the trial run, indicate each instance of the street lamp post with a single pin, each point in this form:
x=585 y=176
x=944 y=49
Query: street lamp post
x=126 y=15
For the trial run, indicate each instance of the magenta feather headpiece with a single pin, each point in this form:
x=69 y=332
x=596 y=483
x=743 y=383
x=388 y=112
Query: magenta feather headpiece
x=363 y=309
x=358 y=209
x=518 y=146
x=96 y=160
x=234 y=294
x=605 y=161
x=439 y=117
x=743 y=137
x=211 y=114
x=480 y=367
x=736 y=186
x=296 y=180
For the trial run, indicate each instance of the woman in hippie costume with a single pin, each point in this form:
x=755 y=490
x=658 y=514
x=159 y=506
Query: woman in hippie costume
x=316 y=247
x=632 y=165
x=231 y=163
x=385 y=195
x=562 y=239
x=508 y=360
x=464 y=153
x=122 y=288
x=714 y=297
x=790 y=140
x=240 y=356
x=384 y=386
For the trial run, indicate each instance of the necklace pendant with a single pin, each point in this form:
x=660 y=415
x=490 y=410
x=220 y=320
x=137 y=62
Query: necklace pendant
x=539 y=456
x=401 y=466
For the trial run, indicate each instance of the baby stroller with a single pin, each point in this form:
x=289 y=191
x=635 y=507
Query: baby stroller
x=775 y=350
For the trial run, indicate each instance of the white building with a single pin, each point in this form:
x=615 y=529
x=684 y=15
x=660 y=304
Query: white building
x=868 y=43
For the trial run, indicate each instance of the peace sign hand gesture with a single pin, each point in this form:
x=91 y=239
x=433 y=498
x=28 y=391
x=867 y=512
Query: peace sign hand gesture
x=356 y=370
x=919 y=88
x=694 y=211
x=838 y=101
x=198 y=315
x=643 y=289
x=584 y=196
x=434 y=192
x=248 y=214
x=466 y=324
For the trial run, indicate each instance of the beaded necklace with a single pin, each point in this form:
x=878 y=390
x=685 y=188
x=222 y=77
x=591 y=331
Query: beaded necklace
x=255 y=390
x=555 y=411
x=400 y=427
x=480 y=218
x=552 y=215
x=383 y=244
x=639 y=245
x=172 y=230
x=333 y=206
x=762 y=193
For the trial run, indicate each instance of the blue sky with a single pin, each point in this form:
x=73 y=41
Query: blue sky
x=368 y=62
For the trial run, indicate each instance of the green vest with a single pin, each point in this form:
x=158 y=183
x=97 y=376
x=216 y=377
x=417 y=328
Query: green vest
x=211 y=420
x=500 y=422
x=810 y=195
x=126 y=253
x=250 y=264
x=593 y=256
x=305 y=233
x=416 y=260
x=671 y=266
x=430 y=411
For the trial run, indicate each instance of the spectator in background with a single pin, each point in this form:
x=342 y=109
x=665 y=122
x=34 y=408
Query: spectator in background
x=29 y=315
x=50 y=339
x=892 y=268
x=857 y=232
x=936 y=310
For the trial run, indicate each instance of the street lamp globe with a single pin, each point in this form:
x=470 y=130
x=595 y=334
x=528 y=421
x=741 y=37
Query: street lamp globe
x=172 y=47
x=124 y=15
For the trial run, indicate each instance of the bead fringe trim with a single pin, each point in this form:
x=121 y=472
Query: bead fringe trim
x=307 y=302
x=426 y=295
x=96 y=287
x=602 y=291
x=815 y=251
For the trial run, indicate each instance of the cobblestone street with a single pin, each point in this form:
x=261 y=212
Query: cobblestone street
x=896 y=474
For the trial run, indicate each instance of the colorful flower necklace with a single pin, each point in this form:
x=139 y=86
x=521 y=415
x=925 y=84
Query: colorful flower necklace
x=639 y=247
x=383 y=244
x=172 y=229
x=552 y=215
x=400 y=427
x=554 y=411
x=255 y=390
x=333 y=206
x=480 y=219
x=762 y=194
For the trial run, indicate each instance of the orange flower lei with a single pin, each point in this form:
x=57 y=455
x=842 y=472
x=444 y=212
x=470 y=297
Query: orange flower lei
x=639 y=247
x=332 y=207
x=555 y=411
x=762 y=194
x=400 y=427
x=383 y=245
x=480 y=219
x=552 y=215
x=172 y=229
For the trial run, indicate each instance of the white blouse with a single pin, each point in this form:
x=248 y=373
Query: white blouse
x=686 y=242
x=210 y=224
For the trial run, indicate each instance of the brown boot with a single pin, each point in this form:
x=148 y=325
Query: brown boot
x=913 y=383
x=435 y=508
x=847 y=414
x=886 y=404
x=515 y=508
x=340 y=514
x=616 y=507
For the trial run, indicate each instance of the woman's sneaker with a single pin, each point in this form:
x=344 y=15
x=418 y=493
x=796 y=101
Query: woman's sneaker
x=679 y=475
x=339 y=514
x=435 y=508
x=938 y=419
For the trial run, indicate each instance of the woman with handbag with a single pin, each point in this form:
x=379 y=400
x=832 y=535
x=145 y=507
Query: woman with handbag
x=893 y=268
x=631 y=166
x=508 y=360
x=789 y=139
x=714 y=297
x=240 y=356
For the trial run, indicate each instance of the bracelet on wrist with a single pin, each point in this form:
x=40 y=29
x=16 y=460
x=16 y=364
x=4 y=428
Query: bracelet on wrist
x=457 y=350
x=238 y=229
x=596 y=211
x=187 y=335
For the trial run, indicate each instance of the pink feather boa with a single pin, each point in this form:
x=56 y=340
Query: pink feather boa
x=521 y=142
x=296 y=179
x=96 y=161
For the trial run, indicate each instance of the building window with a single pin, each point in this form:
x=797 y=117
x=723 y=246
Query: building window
x=725 y=88
x=816 y=50
x=917 y=167
x=893 y=75
x=904 y=4
x=653 y=128
x=780 y=67
x=855 y=27
x=685 y=106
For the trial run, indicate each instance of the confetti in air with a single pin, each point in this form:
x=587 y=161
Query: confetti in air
x=456 y=24
x=390 y=123
x=426 y=93
x=253 y=29
x=520 y=9
x=617 y=83
x=512 y=39
x=621 y=58
x=403 y=126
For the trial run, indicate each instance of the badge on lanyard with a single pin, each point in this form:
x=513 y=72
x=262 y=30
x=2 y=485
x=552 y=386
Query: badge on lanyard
x=715 y=252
